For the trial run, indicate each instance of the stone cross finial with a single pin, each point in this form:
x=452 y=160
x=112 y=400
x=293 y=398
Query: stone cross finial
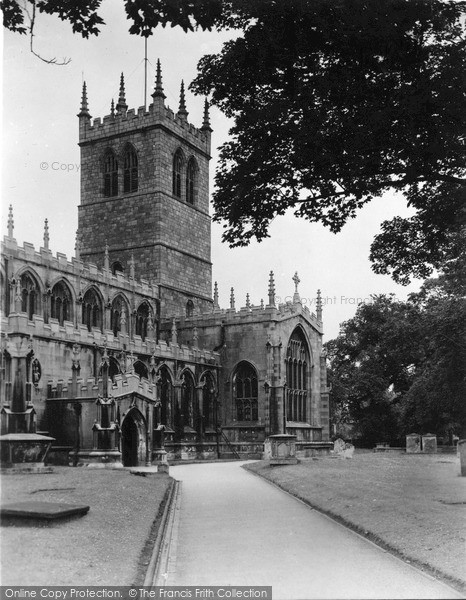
x=271 y=290
x=216 y=305
x=182 y=112
x=232 y=299
x=121 y=105
x=158 y=91
x=11 y=224
x=296 y=281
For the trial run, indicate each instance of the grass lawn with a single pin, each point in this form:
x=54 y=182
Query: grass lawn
x=414 y=505
x=104 y=547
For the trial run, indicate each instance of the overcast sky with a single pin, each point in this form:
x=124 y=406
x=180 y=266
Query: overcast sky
x=40 y=175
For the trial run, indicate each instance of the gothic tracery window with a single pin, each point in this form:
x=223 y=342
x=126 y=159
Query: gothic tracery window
x=191 y=181
x=143 y=320
x=208 y=400
x=188 y=400
x=92 y=310
x=60 y=303
x=29 y=295
x=118 y=314
x=166 y=395
x=177 y=168
x=130 y=171
x=110 y=175
x=245 y=392
x=297 y=362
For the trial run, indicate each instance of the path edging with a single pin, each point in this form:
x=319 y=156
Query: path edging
x=167 y=506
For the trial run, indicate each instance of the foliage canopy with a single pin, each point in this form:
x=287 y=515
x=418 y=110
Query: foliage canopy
x=333 y=104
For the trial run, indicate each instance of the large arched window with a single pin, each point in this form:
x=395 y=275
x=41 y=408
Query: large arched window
x=30 y=297
x=130 y=170
x=60 y=303
x=143 y=317
x=177 y=169
x=118 y=315
x=208 y=400
x=245 y=392
x=297 y=365
x=166 y=397
x=191 y=172
x=188 y=400
x=92 y=310
x=110 y=175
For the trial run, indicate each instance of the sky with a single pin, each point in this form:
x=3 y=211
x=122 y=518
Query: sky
x=40 y=164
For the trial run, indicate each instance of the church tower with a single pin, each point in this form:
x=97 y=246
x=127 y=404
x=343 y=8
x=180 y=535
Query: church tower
x=144 y=193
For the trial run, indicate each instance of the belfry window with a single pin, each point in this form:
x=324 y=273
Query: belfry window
x=60 y=303
x=91 y=310
x=189 y=308
x=296 y=361
x=110 y=175
x=177 y=168
x=130 y=171
x=245 y=392
x=190 y=181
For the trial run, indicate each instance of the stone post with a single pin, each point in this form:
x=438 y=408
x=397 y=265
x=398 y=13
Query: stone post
x=462 y=455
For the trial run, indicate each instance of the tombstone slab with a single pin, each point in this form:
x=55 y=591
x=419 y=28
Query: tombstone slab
x=413 y=443
x=42 y=510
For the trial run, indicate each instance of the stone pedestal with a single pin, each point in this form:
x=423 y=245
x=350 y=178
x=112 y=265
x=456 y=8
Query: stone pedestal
x=160 y=459
x=429 y=443
x=413 y=443
x=462 y=455
x=24 y=453
x=283 y=449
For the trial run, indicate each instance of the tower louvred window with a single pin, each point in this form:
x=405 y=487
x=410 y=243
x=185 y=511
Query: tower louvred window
x=130 y=173
x=177 y=167
x=110 y=175
x=191 y=181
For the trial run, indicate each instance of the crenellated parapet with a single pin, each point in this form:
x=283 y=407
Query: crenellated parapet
x=49 y=267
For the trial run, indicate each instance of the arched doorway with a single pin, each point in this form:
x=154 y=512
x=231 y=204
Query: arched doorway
x=133 y=439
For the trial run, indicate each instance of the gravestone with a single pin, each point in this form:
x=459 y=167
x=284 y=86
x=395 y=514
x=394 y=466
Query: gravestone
x=413 y=443
x=429 y=443
x=348 y=451
x=339 y=446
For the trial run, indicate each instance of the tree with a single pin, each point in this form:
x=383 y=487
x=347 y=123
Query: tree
x=398 y=367
x=371 y=367
x=333 y=104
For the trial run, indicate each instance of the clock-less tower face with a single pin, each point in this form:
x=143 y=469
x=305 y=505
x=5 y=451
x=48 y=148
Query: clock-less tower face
x=144 y=193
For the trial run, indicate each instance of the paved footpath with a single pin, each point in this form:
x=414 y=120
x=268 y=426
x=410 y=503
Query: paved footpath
x=233 y=528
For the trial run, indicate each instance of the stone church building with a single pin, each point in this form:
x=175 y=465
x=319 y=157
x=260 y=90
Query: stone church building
x=123 y=348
